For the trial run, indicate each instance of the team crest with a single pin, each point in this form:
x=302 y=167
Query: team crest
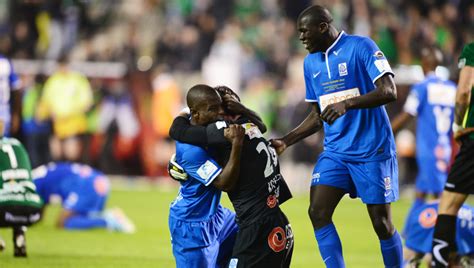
x=233 y=262
x=387 y=183
x=342 y=69
x=379 y=54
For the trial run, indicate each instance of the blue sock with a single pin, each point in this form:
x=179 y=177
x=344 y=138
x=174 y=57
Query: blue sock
x=330 y=246
x=82 y=222
x=392 y=251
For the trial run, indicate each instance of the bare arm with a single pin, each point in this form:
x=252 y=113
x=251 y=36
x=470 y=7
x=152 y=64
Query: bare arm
x=385 y=91
x=463 y=97
x=310 y=125
x=228 y=178
x=63 y=216
x=401 y=120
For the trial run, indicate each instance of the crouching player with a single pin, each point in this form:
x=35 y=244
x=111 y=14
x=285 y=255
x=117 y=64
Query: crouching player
x=419 y=231
x=83 y=191
x=20 y=205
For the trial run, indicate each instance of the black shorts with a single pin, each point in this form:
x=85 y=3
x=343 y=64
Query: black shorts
x=461 y=175
x=264 y=243
x=14 y=216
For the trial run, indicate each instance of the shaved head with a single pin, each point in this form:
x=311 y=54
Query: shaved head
x=431 y=57
x=205 y=104
x=200 y=94
x=316 y=14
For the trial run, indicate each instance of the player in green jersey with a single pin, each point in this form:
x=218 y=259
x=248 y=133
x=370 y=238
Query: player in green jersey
x=460 y=181
x=20 y=205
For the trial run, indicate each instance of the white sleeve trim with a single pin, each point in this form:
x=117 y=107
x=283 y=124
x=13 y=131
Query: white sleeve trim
x=308 y=100
x=213 y=177
x=380 y=75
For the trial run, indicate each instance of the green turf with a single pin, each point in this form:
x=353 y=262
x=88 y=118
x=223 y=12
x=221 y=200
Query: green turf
x=150 y=246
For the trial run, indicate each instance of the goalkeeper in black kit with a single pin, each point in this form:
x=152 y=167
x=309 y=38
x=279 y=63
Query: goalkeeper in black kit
x=265 y=237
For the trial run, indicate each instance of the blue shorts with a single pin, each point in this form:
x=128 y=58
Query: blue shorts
x=215 y=250
x=375 y=182
x=430 y=178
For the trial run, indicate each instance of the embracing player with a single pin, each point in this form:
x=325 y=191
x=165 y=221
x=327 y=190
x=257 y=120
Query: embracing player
x=265 y=237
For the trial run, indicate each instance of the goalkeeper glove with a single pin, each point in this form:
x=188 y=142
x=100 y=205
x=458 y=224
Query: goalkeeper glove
x=175 y=171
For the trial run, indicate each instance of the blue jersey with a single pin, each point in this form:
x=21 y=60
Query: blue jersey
x=349 y=68
x=197 y=200
x=432 y=101
x=420 y=224
x=81 y=188
x=8 y=82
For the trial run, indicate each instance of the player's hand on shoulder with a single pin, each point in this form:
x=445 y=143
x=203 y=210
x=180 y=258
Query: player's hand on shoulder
x=279 y=145
x=334 y=111
x=234 y=133
x=175 y=171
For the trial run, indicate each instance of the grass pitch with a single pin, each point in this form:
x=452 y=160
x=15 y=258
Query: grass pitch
x=49 y=247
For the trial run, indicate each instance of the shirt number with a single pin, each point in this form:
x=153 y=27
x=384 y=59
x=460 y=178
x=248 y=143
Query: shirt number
x=271 y=158
x=7 y=148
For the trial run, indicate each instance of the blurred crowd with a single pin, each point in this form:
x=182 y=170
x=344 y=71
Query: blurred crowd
x=121 y=123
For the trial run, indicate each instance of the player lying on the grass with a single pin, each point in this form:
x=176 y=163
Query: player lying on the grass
x=265 y=236
x=20 y=205
x=83 y=191
x=419 y=231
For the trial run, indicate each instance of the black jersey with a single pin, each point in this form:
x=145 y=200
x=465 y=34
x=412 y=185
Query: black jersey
x=260 y=187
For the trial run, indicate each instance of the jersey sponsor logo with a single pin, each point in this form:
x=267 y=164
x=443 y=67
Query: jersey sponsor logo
x=316 y=74
x=272 y=201
x=206 y=170
x=427 y=218
x=440 y=94
x=342 y=69
x=12 y=174
x=382 y=65
x=336 y=97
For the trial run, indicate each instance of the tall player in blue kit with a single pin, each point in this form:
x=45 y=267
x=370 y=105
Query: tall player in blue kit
x=202 y=231
x=349 y=79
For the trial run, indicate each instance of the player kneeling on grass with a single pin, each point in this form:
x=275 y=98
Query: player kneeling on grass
x=20 y=205
x=419 y=231
x=83 y=191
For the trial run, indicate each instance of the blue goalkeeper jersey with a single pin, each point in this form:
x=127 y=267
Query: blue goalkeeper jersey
x=349 y=68
x=197 y=199
x=432 y=101
x=76 y=184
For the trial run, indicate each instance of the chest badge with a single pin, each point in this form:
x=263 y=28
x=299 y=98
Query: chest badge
x=342 y=69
